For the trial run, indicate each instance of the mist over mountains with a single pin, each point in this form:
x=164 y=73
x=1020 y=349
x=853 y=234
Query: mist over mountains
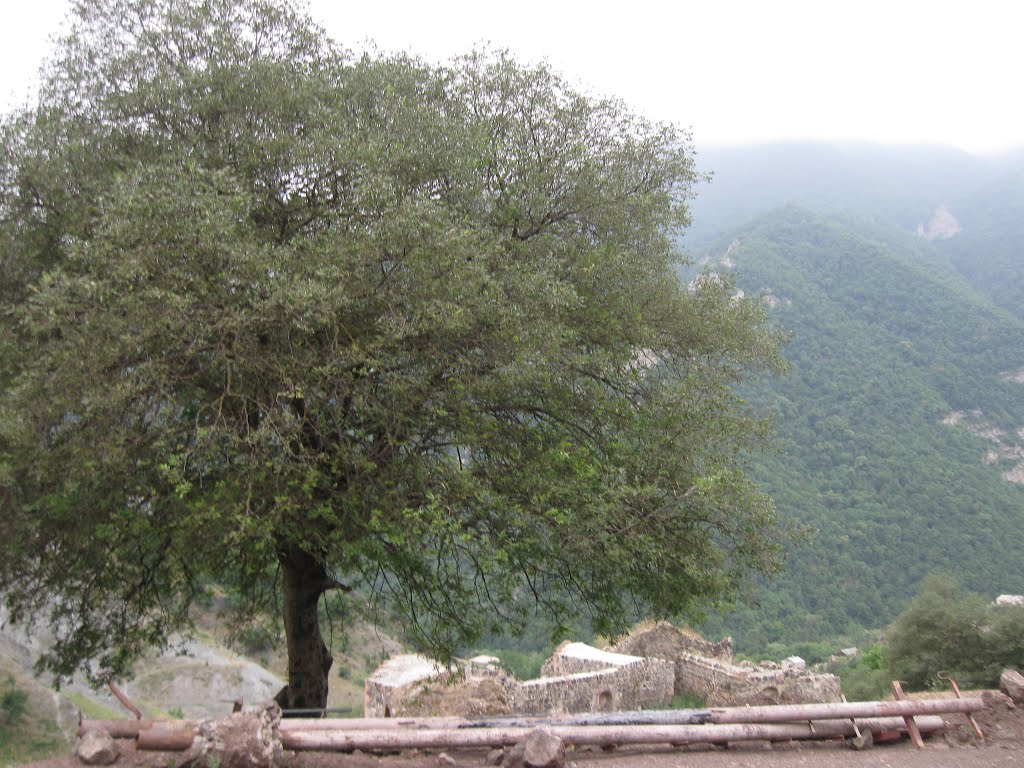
x=900 y=273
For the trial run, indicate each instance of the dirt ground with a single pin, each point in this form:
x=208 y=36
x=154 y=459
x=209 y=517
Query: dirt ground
x=1001 y=723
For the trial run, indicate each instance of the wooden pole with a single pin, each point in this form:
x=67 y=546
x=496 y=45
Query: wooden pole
x=723 y=716
x=642 y=717
x=165 y=739
x=347 y=740
x=912 y=729
x=123 y=699
x=178 y=739
x=956 y=690
x=844 y=710
x=130 y=729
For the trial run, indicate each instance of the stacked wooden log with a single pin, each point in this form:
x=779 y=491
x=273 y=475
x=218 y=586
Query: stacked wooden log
x=690 y=726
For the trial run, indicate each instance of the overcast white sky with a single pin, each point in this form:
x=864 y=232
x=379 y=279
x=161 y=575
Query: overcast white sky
x=937 y=71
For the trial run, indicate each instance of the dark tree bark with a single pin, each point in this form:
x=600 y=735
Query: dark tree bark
x=309 y=660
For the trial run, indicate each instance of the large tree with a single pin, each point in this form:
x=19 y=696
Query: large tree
x=291 y=320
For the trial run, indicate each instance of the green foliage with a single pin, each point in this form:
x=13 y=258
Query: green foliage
x=872 y=658
x=13 y=702
x=524 y=665
x=418 y=328
x=28 y=727
x=888 y=341
x=948 y=631
x=864 y=677
x=253 y=639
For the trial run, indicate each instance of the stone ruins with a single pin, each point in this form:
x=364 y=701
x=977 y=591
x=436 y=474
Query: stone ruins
x=644 y=670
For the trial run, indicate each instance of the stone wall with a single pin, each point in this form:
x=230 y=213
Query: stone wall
x=644 y=670
x=665 y=641
x=724 y=685
x=413 y=686
x=708 y=671
x=642 y=684
x=577 y=678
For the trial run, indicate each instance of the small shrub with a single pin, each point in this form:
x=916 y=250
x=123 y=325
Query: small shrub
x=344 y=672
x=13 y=703
x=864 y=677
x=177 y=713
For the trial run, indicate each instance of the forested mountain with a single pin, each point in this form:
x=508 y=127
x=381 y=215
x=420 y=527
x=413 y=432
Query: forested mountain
x=989 y=248
x=899 y=421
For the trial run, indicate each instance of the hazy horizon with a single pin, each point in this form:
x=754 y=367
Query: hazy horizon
x=737 y=72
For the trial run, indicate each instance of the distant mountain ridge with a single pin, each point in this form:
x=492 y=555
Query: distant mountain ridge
x=887 y=184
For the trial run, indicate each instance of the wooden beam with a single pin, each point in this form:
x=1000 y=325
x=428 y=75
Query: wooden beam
x=912 y=729
x=598 y=735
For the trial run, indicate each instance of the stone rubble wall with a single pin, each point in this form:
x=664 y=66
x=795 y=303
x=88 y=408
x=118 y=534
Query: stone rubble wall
x=577 y=658
x=644 y=670
x=665 y=641
x=574 y=685
x=708 y=671
x=643 y=684
x=446 y=694
x=725 y=685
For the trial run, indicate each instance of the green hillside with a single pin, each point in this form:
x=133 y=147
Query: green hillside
x=989 y=251
x=888 y=343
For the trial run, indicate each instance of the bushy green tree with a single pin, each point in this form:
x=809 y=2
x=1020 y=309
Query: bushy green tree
x=297 y=321
x=948 y=631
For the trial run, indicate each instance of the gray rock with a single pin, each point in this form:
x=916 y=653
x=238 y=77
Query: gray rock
x=96 y=747
x=1011 y=682
x=865 y=741
x=446 y=761
x=542 y=749
x=495 y=756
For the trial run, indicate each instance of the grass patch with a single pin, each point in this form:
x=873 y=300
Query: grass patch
x=93 y=710
x=28 y=725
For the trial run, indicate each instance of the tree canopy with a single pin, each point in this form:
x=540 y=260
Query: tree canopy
x=290 y=319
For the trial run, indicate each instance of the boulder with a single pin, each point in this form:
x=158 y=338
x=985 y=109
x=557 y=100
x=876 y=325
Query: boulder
x=97 y=747
x=540 y=749
x=1011 y=682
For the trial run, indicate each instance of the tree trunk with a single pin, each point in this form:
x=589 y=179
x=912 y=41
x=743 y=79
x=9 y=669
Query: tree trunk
x=309 y=659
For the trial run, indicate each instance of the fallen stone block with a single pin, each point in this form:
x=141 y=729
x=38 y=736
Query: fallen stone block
x=97 y=748
x=1011 y=682
x=540 y=749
